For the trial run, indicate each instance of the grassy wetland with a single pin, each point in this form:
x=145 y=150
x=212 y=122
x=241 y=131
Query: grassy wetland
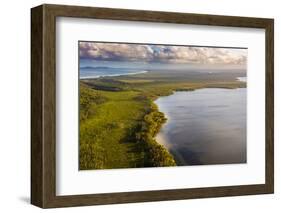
x=119 y=119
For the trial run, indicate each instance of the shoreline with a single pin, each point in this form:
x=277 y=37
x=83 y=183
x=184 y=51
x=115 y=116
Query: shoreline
x=112 y=75
x=156 y=155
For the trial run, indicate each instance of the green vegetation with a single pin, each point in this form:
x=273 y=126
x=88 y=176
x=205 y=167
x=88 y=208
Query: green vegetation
x=119 y=121
x=88 y=99
x=154 y=153
x=117 y=130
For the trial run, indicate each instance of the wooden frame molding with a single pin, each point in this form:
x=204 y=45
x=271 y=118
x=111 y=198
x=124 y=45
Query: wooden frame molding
x=43 y=105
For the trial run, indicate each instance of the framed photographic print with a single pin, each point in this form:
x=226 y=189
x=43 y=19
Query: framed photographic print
x=136 y=106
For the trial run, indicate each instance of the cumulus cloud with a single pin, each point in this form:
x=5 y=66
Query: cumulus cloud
x=162 y=53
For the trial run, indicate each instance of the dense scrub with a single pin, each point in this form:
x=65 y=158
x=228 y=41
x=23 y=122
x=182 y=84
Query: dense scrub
x=88 y=98
x=117 y=130
x=155 y=153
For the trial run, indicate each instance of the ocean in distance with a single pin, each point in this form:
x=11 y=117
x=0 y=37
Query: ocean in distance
x=89 y=72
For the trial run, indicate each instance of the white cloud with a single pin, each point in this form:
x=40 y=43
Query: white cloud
x=162 y=53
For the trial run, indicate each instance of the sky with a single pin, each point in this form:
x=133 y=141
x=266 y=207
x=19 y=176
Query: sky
x=161 y=54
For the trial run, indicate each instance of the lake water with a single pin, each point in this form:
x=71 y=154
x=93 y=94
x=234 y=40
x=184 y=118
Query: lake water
x=205 y=126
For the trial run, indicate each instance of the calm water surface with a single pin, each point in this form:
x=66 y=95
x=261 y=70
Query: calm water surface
x=205 y=126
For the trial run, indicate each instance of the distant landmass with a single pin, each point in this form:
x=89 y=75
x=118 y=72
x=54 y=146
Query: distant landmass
x=96 y=68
